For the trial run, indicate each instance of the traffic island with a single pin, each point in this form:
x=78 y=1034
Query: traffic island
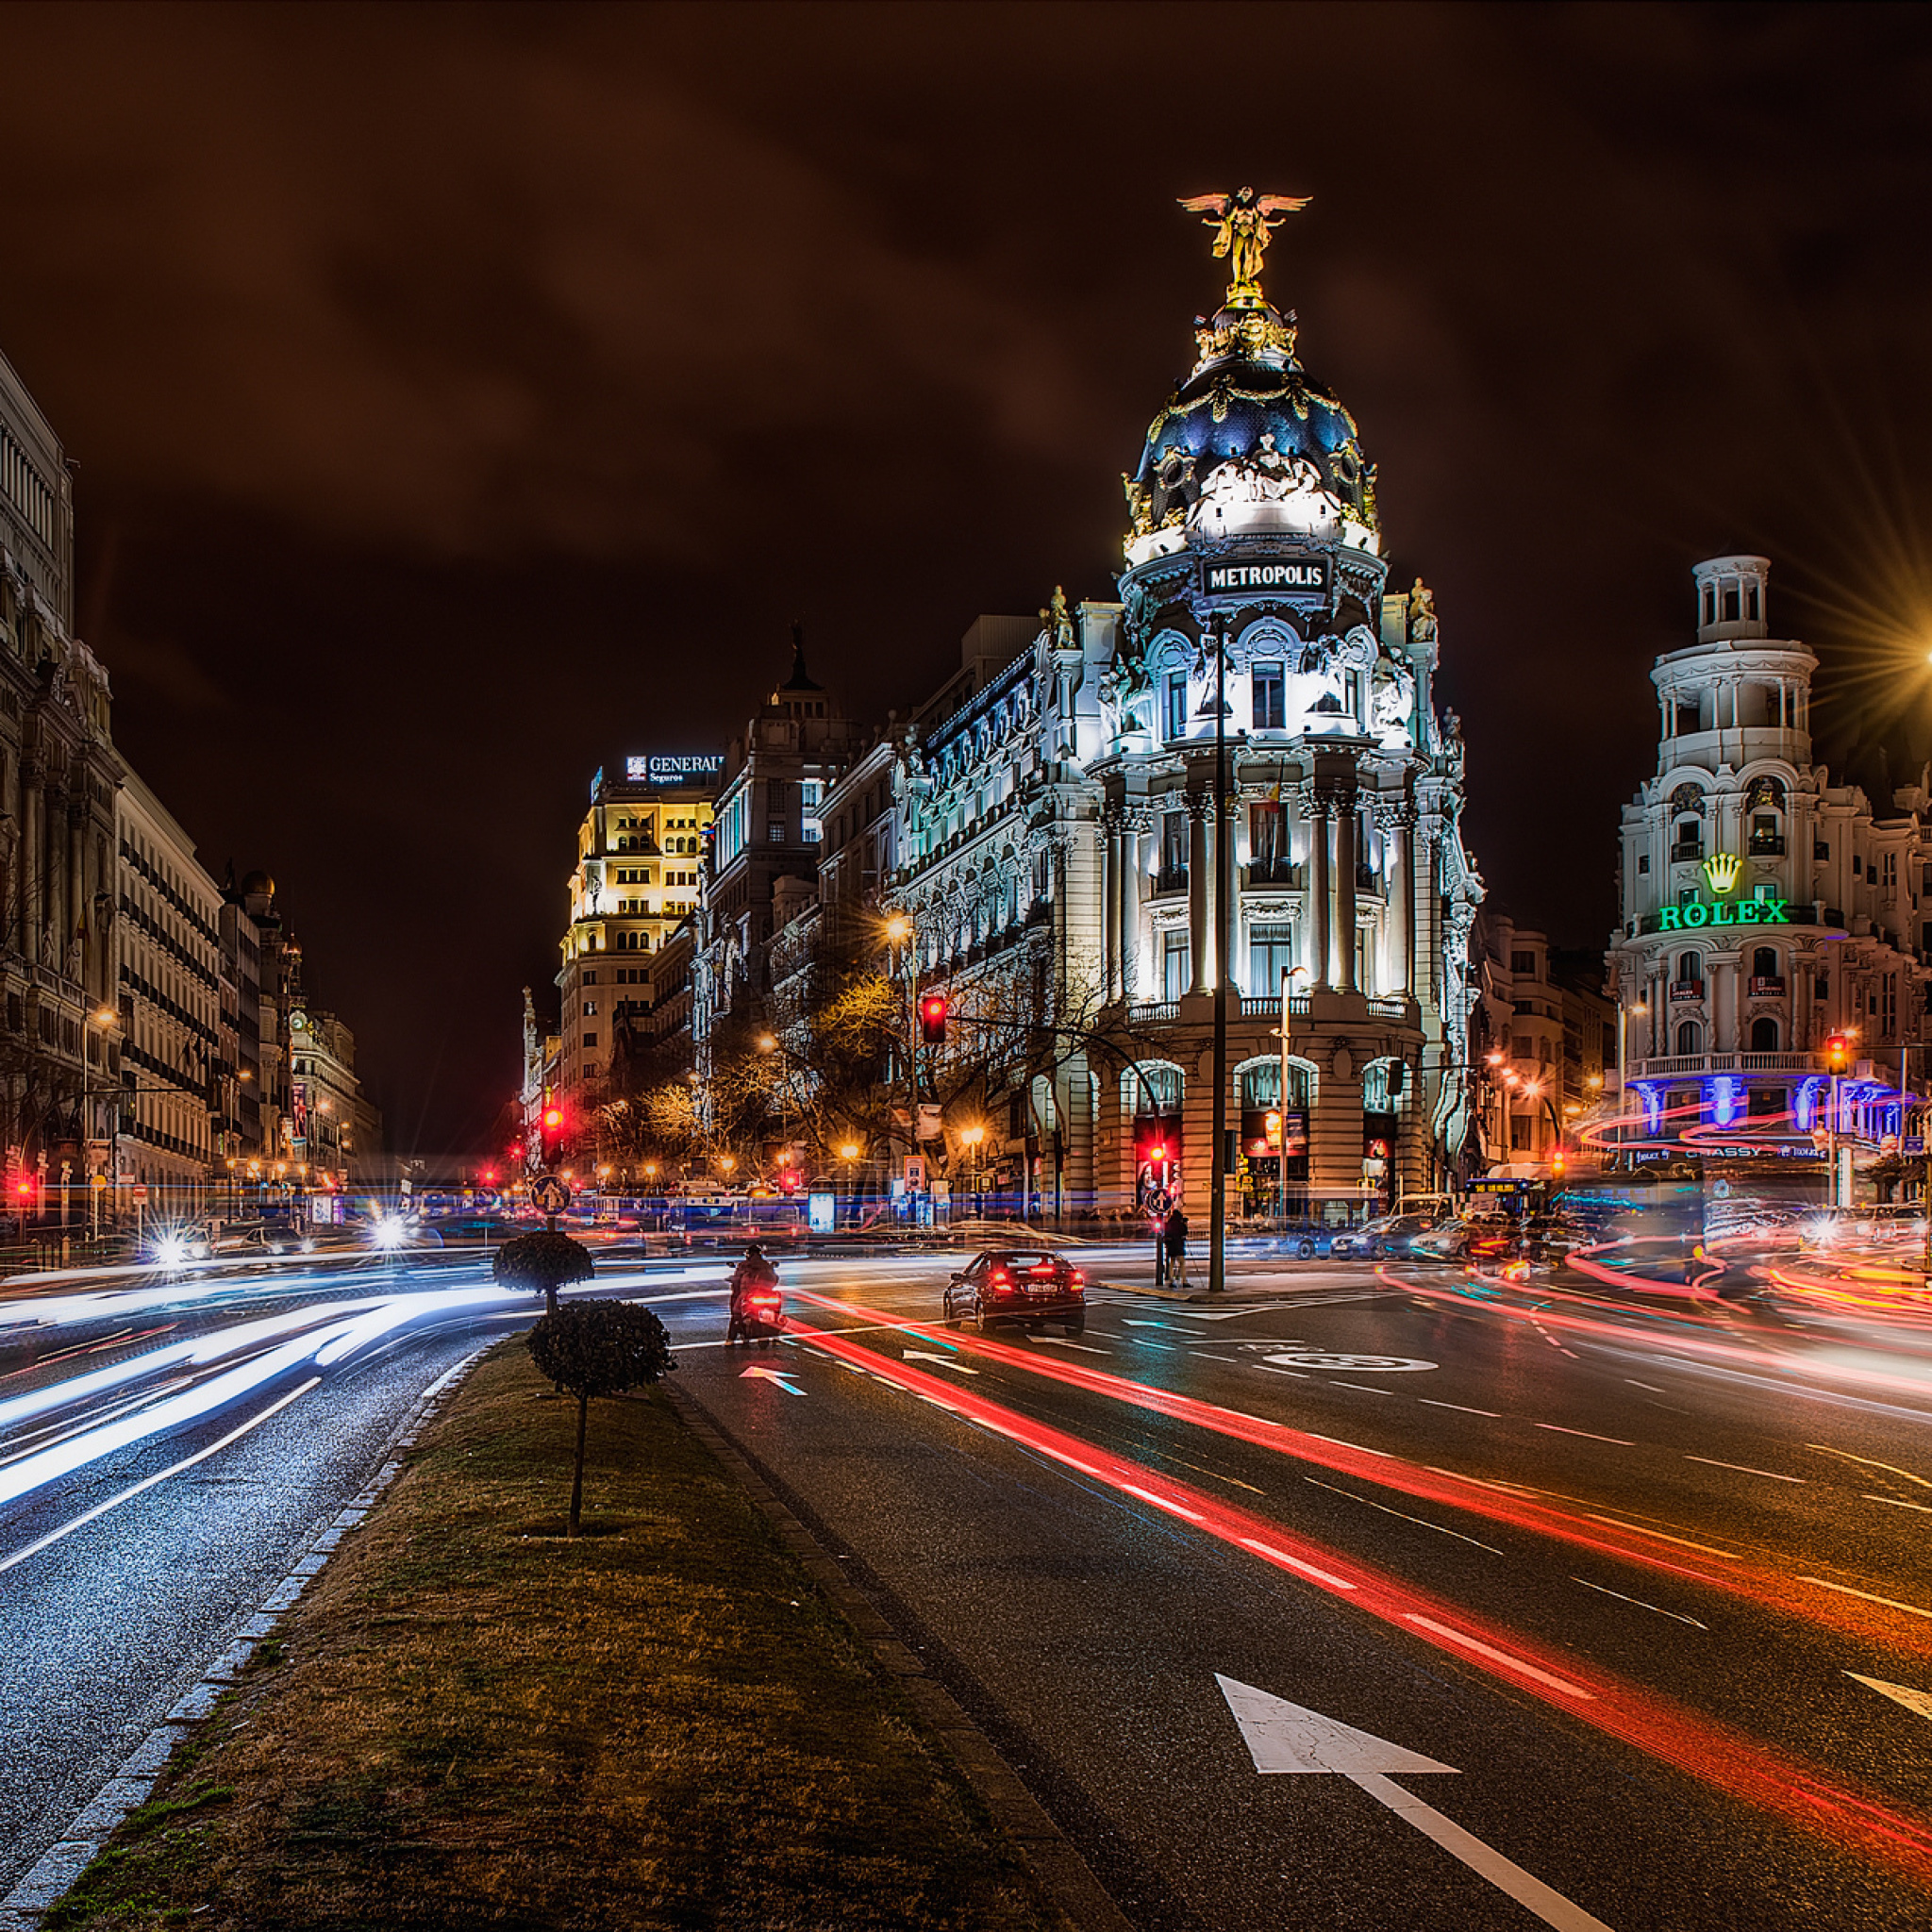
x=475 y=1719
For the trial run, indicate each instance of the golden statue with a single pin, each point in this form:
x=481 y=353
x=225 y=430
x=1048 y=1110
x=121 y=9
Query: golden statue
x=1242 y=229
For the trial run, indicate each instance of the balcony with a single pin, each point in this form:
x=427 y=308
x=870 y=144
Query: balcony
x=1170 y=882
x=1367 y=878
x=1767 y=989
x=1686 y=990
x=1687 y=849
x=1272 y=872
x=1766 y=846
x=1680 y=1066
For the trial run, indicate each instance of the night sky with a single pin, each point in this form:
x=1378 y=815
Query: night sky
x=463 y=398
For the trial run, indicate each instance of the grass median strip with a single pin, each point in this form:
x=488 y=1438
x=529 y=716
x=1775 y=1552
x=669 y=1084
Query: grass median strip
x=475 y=1721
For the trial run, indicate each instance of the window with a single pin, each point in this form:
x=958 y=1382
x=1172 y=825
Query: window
x=1522 y=1133
x=1642 y=862
x=1266 y=839
x=1174 y=965
x=1271 y=712
x=1730 y=603
x=811 y=795
x=1176 y=703
x=1764 y=1034
x=1523 y=962
x=590 y=1040
x=1690 y=969
x=1690 y=839
x=1174 y=846
x=1685 y=721
x=1271 y=953
x=1766 y=1103
x=1821 y=986
x=1521 y=1047
x=1689 y=1037
x=1888 y=871
x=774 y=831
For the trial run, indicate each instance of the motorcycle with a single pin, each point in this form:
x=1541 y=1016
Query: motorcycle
x=758 y=1312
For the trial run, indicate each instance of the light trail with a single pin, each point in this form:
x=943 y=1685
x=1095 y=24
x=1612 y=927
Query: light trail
x=1753 y=1582
x=1711 y=1753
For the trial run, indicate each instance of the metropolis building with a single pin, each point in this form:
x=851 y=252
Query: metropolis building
x=1057 y=835
x=1765 y=908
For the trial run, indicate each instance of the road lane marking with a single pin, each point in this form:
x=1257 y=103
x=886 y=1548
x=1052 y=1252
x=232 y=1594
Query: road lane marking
x=1590 y=1434
x=945 y=1362
x=1745 y=1469
x=1361 y=1389
x=1062 y=1341
x=1422 y=1521
x=1639 y=1602
x=1846 y=1589
x=1284 y=1737
x=1495 y=1414
x=783 y=1380
x=1618 y=1522
x=1162 y=1503
x=1923 y=1508
x=1890 y=1468
x=1200 y=1355
x=127 y=1495
x=1275 y=1556
x=1450 y=1635
x=1269 y=1369
x=1651 y=1386
x=1917 y=1702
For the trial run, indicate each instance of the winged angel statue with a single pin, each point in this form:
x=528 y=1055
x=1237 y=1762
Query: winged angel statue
x=1242 y=229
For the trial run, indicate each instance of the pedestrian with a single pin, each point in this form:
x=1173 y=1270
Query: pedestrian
x=1175 y=1238
x=1159 y=1216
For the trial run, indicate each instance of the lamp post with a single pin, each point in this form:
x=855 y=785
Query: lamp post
x=1217 y=1210
x=1624 y=1013
x=970 y=1138
x=899 y=936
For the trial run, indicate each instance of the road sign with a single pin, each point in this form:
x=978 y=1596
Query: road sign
x=551 y=1192
x=1361 y=1364
x=1915 y=1144
x=915 y=1174
x=1284 y=1737
x=98 y=1180
x=141 y=1194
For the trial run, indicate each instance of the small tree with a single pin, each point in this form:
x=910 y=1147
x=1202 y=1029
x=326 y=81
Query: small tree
x=540 y=1263
x=597 y=1348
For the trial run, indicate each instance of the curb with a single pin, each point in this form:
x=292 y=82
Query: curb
x=1046 y=1851
x=63 y=1862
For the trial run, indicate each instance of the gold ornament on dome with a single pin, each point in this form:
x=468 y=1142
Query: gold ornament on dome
x=1242 y=233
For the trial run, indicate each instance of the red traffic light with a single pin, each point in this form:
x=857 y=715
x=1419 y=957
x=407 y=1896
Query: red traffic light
x=489 y=1176
x=932 y=1018
x=1838 y=1053
x=22 y=1186
x=553 y=1119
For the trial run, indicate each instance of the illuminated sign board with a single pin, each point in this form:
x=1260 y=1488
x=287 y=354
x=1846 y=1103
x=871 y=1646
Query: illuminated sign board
x=1309 y=573
x=675 y=768
x=1700 y=912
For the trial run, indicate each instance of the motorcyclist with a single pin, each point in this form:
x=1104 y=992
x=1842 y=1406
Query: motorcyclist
x=752 y=1272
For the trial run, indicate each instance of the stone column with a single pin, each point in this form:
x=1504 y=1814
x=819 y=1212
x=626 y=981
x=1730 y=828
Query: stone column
x=1112 y=974
x=1344 y=895
x=1405 y=931
x=1315 y=896
x=1133 y=858
x=1199 y=898
x=77 y=907
x=33 y=867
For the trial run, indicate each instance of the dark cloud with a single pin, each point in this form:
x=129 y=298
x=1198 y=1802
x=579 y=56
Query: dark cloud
x=475 y=393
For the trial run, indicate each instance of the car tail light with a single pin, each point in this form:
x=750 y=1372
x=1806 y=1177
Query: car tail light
x=1074 y=1275
x=1040 y=1267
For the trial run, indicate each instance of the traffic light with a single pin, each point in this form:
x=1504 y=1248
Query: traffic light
x=1838 y=1053
x=553 y=1123
x=932 y=1018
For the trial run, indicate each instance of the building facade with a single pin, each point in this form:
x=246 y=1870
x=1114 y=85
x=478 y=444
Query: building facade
x=1058 y=836
x=640 y=854
x=1765 y=908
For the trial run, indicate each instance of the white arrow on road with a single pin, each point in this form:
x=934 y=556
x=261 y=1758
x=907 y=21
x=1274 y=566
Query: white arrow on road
x=1918 y=1701
x=1284 y=1737
x=784 y=1381
x=945 y=1362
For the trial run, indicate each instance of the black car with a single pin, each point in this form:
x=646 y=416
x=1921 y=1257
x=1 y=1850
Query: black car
x=1027 y=1285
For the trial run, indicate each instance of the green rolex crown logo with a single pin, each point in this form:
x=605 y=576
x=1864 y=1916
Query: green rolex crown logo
x=1721 y=869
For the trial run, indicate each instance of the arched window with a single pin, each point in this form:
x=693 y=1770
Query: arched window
x=1690 y=969
x=1689 y=1037
x=1764 y=963
x=1153 y=1087
x=1764 y=1034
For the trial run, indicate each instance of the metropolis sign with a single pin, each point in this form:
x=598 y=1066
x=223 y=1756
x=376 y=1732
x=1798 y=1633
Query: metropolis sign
x=675 y=768
x=1282 y=573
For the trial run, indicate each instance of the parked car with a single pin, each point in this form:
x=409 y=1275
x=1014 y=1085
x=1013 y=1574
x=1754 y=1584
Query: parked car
x=1027 y=1285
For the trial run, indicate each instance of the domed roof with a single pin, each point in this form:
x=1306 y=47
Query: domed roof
x=259 y=882
x=1247 y=387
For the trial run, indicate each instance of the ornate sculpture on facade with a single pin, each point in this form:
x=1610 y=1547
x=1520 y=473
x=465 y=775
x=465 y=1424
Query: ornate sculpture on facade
x=1391 y=700
x=1421 y=613
x=1060 y=621
x=1242 y=233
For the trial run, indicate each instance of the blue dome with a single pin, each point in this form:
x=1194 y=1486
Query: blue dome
x=1238 y=393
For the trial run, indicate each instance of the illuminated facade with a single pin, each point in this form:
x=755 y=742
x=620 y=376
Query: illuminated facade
x=1764 y=908
x=177 y=1007
x=640 y=852
x=1057 y=835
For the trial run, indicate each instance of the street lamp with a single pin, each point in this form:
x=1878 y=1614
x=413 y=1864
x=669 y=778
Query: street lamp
x=1624 y=1014
x=970 y=1138
x=898 y=931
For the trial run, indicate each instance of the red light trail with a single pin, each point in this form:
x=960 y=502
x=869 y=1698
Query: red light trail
x=1702 y=1749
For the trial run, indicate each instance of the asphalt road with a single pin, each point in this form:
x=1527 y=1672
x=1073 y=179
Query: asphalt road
x=1592 y=1569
